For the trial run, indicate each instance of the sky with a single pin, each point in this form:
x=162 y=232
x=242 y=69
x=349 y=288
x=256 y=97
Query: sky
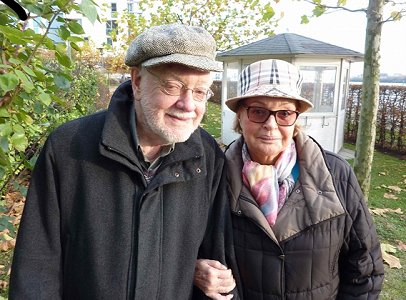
x=347 y=30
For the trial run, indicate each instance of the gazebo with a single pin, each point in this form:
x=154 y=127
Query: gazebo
x=325 y=69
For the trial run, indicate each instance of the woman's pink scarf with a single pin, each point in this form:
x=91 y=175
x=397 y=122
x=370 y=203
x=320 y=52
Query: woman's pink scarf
x=270 y=184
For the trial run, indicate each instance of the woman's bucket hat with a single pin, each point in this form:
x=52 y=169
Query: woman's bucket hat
x=271 y=78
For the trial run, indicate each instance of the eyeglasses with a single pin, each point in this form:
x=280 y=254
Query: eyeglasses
x=176 y=88
x=261 y=115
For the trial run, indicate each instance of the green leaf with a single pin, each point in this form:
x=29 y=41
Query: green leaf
x=35 y=8
x=58 y=100
x=23 y=117
x=62 y=82
x=75 y=27
x=63 y=59
x=45 y=99
x=14 y=61
x=29 y=71
x=319 y=10
x=89 y=10
x=4 y=160
x=75 y=39
x=17 y=128
x=5 y=129
x=4 y=113
x=19 y=141
x=9 y=31
x=63 y=32
x=62 y=3
x=8 y=82
x=4 y=143
x=75 y=46
x=305 y=20
x=49 y=43
x=268 y=13
x=5 y=66
x=26 y=82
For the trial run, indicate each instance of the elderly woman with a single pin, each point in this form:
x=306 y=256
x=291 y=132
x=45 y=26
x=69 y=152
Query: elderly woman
x=302 y=229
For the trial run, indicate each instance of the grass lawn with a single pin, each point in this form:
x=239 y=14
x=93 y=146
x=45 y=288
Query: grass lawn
x=212 y=119
x=388 y=191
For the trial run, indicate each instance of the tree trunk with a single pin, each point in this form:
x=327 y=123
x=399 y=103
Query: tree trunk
x=364 y=151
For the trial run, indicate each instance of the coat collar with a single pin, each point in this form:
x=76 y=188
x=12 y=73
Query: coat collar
x=314 y=193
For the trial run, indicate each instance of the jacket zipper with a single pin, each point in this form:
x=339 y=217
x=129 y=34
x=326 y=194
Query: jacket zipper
x=132 y=274
x=281 y=256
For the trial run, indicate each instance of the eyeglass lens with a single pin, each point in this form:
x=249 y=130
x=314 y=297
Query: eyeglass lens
x=176 y=87
x=282 y=117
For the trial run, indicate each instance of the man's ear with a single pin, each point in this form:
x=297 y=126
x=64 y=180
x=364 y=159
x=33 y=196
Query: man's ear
x=136 y=82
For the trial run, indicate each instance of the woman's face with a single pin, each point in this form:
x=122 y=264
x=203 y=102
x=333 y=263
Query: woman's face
x=266 y=141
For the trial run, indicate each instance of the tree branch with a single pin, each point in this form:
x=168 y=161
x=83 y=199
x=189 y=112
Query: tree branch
x=364 y=10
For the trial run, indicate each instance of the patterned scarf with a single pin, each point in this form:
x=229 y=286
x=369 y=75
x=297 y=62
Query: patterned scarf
x=270 y=184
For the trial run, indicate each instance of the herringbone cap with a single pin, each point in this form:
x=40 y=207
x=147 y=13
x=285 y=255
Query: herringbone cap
x=191 y=46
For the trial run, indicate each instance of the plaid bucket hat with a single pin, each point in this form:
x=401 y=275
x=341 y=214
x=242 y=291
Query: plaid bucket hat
x=191 y=46
x=271 y=78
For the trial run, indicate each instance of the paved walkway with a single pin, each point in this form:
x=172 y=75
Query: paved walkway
x=346 y=153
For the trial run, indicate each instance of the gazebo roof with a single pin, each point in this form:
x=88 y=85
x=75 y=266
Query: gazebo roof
x=292 y=45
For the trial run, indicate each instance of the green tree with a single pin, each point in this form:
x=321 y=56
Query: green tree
x=232 y=23
x=371 y=74
x=35 y=75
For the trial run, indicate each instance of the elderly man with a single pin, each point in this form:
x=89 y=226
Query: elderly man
x=122 y=202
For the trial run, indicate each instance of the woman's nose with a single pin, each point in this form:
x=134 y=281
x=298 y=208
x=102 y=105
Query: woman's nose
x=271 y=122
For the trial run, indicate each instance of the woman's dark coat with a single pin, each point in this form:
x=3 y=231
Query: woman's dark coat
x=323 y=245
x=93 y=229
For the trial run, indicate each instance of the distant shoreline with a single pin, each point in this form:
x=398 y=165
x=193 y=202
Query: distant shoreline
x=384 y=79
x=381 y=83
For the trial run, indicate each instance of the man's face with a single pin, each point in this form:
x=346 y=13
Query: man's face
x=162 y=118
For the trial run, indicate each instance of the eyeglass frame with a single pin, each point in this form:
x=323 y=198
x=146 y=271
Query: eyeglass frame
x=209 y=92
x=271 y=113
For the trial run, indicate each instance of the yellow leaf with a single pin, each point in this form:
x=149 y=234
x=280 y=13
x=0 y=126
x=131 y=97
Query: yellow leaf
x=379 y=211
x=388 y=248
x=382 y=211
x=401 y=246
x=390 y=260
x=394 y=188
x=390 y=196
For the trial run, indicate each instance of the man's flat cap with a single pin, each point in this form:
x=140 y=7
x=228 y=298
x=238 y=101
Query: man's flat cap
x=174 y=43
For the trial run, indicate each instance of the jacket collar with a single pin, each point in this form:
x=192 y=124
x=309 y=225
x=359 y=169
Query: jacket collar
x=314 y=192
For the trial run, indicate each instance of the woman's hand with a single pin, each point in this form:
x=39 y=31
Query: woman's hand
x=214 y=279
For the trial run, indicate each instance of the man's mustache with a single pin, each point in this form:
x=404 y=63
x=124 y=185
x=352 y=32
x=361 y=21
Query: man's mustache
x=17 y=8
